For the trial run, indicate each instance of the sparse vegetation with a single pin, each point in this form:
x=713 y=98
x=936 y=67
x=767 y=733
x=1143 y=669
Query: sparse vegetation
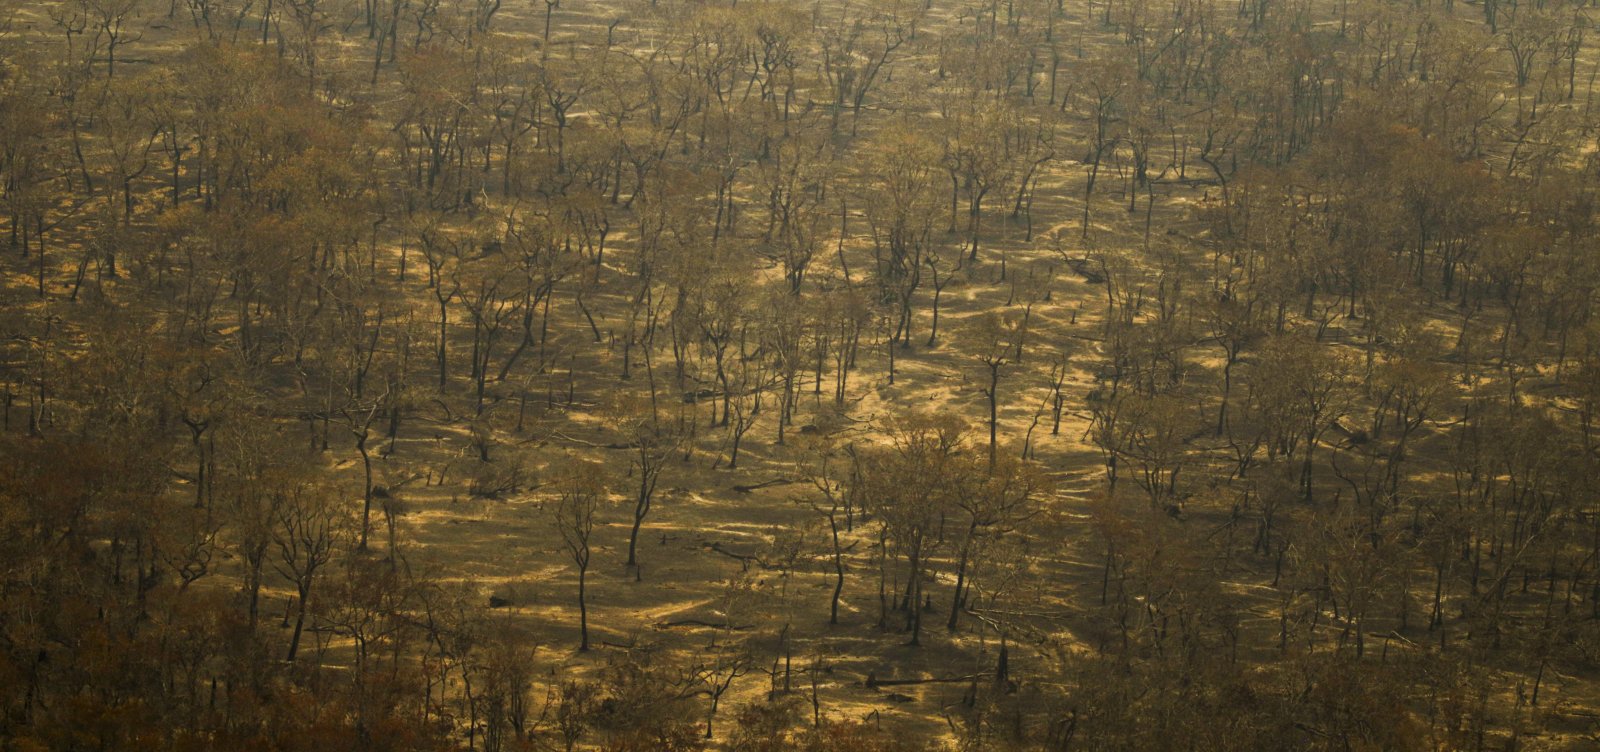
x=832 y=376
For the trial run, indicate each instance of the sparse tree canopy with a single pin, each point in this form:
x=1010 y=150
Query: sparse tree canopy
x=330 y=331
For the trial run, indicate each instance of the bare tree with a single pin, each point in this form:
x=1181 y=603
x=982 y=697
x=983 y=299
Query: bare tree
x=308 y=528
x=582 y=492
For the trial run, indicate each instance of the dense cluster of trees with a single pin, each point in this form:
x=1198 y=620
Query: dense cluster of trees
x=1257 y=339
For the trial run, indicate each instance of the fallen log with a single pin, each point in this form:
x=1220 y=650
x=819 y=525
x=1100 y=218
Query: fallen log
x=765 y=484
x=874 y=681
x=702 y=623
x=745 y=559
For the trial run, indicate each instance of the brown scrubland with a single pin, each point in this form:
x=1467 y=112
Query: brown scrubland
x=847 y=375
